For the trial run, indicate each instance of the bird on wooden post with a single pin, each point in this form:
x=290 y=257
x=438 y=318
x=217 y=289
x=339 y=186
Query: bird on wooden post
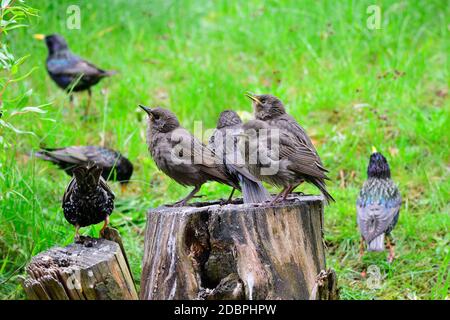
x=87 y=200
x=181 y=156
x=70 y=72
x=224 y=143
x=114 y=165
x=297 y=157
x=378 y=206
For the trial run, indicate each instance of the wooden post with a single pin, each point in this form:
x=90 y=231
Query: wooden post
x=237 y=251
x=95 y=269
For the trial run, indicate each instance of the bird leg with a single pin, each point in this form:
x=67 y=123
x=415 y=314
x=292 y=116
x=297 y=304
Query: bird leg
x=361 y=248
x=71 y=101
x=390 y=245
x=86 y=111
x=104 y=225
x=278 y=196
x=230 y=198
x=77 y=233
x=287 y=192
x=123 y=187
x=183 y=201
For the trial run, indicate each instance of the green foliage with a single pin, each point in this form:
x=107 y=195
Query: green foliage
x=12 y=100
x=350 y=87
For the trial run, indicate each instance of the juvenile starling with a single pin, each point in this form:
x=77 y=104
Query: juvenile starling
x=299 y=160
x=67 y=70
x=88 y=199
x=182 y=156
x=114 y=165
x=378 y=206
x=223 y=142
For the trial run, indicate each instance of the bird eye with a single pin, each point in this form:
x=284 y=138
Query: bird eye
x=263 y=100
x=156 y=116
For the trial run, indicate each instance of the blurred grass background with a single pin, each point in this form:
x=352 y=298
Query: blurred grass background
x=350 y=87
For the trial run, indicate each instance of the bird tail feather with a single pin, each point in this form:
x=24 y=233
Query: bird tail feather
x=253 y=191
x=376 y=244
x=319 y=183
x=87 y=177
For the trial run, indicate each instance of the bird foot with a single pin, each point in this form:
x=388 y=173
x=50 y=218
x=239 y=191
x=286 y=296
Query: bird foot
x=390 y=258
x=177 y=204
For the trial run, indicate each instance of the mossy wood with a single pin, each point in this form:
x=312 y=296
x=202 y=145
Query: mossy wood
x=237 y=251
x=94 y=269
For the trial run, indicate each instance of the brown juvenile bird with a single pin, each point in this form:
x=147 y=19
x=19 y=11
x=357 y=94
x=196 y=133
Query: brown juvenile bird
x=223 y=142
x=299 y=161
x=182 y=156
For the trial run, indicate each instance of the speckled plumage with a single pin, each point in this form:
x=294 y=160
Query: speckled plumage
x=378 y=204
x=115 y=166
x=88 y=199
x=65 y=68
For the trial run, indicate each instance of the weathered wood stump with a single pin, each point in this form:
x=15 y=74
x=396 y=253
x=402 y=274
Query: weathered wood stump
x=94 y=269
x=237 y=251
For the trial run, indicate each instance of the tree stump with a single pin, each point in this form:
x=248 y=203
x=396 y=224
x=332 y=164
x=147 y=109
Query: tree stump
x=237 y=251
x=94 y=269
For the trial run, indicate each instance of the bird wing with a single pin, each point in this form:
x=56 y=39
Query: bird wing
x=71 y=155
x=69 y=190
x=105 y=187
x=289 y=124
x=188 y=147
x=303 y=159
x=72 y=66
x=375 y=218
x=103 y=157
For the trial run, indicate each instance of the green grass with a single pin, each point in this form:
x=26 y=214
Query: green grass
x=349 y=86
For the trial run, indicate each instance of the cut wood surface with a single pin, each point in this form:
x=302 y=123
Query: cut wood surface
x=237 y=251
x=94 y=269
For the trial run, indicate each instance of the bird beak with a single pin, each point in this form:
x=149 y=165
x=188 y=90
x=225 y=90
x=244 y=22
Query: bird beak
x=39 y=36
x=374 y=149
x=146 y=109
x=253 y=97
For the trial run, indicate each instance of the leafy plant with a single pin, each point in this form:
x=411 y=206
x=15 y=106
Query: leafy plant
x=13 y=98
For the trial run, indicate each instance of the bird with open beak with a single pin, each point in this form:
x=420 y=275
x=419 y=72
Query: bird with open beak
x=299 y=160
x=180 y=155
x=378 y=206
x=70 y=72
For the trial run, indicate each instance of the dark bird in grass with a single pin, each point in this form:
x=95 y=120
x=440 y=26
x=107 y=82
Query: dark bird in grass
x=299 y=160
x=67 y=70
x=223 y=142
x=88 y=199
x=114 y=165
x=181 y=156
x=378 y=206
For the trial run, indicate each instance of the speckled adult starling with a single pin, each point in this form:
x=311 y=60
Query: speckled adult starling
x=114 y=165
x=88 y=199
x=299 y=160
x=223 y=142
x=181 y=156
x=378 y=206
x=68 y=70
